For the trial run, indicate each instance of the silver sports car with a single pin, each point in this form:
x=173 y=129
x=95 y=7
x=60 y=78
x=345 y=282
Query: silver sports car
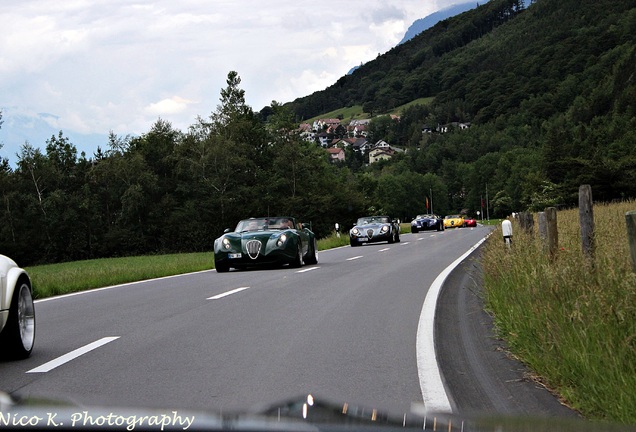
x=17 y=312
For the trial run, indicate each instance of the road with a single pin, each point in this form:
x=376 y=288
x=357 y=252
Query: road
x=344 y=329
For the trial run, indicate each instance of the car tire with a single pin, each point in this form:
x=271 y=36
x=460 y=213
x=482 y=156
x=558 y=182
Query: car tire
x=414 y=230
x=19 y=332
x=298 y=259
x=312 y=254
x=222 y=268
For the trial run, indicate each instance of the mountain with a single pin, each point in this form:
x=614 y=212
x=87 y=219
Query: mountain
x=429 y=21
x=20 y=126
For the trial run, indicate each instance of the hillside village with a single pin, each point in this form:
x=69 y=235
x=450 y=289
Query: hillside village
x=335 y=136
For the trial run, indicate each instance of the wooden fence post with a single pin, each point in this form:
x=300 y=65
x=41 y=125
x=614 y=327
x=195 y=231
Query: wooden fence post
x=630 y=218
x=543 y=230
x=586 y=220
x=553 y=233
x=526 y=220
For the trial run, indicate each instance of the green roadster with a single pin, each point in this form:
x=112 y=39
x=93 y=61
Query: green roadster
x=265 y=241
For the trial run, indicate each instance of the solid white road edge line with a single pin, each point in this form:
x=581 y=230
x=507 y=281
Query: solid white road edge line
x=72 y=355
x=433 y=391
x=225 y=294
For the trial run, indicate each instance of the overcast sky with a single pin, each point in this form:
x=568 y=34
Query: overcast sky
x=102 y=65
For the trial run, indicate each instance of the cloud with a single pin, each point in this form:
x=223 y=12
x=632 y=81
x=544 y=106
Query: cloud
x=169 y=106
x=101 y=65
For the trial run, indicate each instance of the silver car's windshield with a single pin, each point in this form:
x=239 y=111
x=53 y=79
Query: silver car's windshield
x=373 y=219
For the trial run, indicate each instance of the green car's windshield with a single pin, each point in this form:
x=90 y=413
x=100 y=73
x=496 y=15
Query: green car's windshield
x=262 y=224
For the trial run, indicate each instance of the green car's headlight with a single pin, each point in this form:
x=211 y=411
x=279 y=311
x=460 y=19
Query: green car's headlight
x=281 y=240
x=384 y=229
x=226 y=243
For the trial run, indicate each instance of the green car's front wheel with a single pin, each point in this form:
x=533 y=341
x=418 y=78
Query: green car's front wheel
x=298 y=259
x=221 y=267
x=312 y=254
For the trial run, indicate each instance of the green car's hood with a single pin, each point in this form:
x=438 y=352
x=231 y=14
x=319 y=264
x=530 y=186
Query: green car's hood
x=257 y=235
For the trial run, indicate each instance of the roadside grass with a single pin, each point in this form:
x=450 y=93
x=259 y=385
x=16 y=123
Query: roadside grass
x=55 y=279
x=573 y=322
x=333 y=241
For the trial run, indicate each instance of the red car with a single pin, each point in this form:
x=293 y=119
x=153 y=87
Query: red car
x=470 y=222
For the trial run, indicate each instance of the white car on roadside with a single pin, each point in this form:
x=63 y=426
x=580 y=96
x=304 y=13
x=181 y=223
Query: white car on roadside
x=17 y=312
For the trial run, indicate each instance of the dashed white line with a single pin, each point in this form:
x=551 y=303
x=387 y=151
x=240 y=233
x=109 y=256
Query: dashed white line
x=307 y=269
x=354 y=258
x=225 y=294
x=72 y=355
x=384 y=250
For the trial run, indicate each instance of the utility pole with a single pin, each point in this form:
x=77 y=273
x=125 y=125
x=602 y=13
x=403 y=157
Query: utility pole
x=487 y=205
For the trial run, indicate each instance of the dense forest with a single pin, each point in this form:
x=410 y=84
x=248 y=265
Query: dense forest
x=548 y=89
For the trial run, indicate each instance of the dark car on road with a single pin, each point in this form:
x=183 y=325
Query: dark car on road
x=427 y=222
x=371 y=229
x=265 y=241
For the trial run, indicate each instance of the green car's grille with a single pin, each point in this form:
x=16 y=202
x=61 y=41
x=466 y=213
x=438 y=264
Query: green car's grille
x=253 y=248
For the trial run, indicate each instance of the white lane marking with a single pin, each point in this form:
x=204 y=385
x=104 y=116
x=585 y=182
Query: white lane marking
x=421 y=238
x=354 y=258
x=307 y=269
x=433 y=391
x=227 y=293
x=72 y=355
x=404 y=244
x=384 y=250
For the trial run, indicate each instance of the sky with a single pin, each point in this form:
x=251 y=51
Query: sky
x=88 y=67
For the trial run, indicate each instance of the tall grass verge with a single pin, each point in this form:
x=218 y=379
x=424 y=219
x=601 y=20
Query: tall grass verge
x=572 y=321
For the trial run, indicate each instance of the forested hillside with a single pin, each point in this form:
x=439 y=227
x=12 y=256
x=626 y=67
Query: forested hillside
x=547 y=87
x=549 y=90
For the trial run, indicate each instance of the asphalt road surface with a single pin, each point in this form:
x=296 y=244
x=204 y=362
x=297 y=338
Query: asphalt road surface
x=344 y=329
